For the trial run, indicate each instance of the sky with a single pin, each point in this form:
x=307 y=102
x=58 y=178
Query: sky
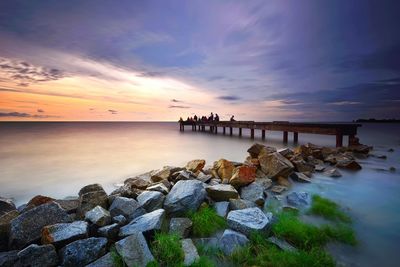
x=159 y=60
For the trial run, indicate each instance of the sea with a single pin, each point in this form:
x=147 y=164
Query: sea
x=56 y=159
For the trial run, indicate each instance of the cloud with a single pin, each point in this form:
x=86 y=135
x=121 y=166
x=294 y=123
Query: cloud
x=343 y=103
x=40 y=110
x=25 y=115
x=178 y=106
x=112 y=111
x=229 y=97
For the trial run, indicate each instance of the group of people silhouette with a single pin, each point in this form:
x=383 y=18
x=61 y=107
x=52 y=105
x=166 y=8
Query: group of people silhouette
x=212 y=117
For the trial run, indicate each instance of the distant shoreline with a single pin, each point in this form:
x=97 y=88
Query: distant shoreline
x=378 y=120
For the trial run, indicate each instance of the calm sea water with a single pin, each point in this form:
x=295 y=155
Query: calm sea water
x=57 y=159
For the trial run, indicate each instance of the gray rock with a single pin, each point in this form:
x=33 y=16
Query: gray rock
x=151 y=200
x=319 y=168
x=91 y=196
x=206 y=242
x=90 y=188
x=134 y=250
x=239 y=204
x=282 y=244
x=298 y=198
x=27 y=227
x=332 y=172
x=109 y=231
x=264 y=182
x=137 y=182
x=147 y=222
x=128 y=207
x=105 y=261
x=185 y=196
x=82 y=252
x=222 y=208
x=70 y=205
x=286 y=152
x=159 y=187
x=5 y=222
x=98 y=216
x=303 y=166
x=38 y=256
x=278 y=189
x=222 y=192
x=275 y=165
x=204 y=177
x=190 y=252
x=180 y=226
x=256 y=149
x=61 y=234
x=253 y=192
x=6 y=205
x=9 y=258
x=249 y=220
x=231 y=240
x=214 y=181
x=300 y=177
x=120 y=219
x=185 y=175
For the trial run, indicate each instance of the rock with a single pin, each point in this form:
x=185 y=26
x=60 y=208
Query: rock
x=91 y=196
x=283 y=181
x=298 y=199
x=190 y=252
x=278 y=189
x=120 y=219
x=9 y=258
x=37 y=201
x=148 y=222
x=390 y=150
x=185 y=196
x=69 y=205
x=137 y=183
x=239 y=204
x=134 y=250
x=184 y=175
x=159 y=187
x=282 y=244
x=332 y=172
x=243 y=175
x=195 y=165
x=109 y=231
x=249 y=220
x=275 y=165
x=253 y=192
x=224 y=169
x=206 y=242
x=127 y=207
x=5 y=223
x=319 y=168
x=303 y=166
x=162 y=174
x=180 y=226
x=204 y=177
x=362 y=149
x=214 y=181
x=26 y=228
x=222 y=208
x=98 y=216
x=61 y=234
x=222 y=192
x=6 y=205
x=124 y=191
x=392 y=169
x=349 y=164
x=286 y=152
x=38 y=256
x=82 y=252
x=256 y=149
x=264 y=182
x=300 y=177
x=231 y=240
x=151 y=200
x=105 y=261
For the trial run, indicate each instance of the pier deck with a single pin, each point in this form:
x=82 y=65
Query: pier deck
x=338 y=130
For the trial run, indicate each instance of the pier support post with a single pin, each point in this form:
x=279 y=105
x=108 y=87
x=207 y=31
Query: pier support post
x=240 y=132
x=224 y=130
x=339 y=140
x=252 y=133
x=295 y=137
x=285 y=137
x=353 y=140
x=216 y=129
x=262 y=134
x=230 y=131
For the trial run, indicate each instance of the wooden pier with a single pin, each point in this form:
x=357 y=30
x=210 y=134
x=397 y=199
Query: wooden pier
x=338 y=130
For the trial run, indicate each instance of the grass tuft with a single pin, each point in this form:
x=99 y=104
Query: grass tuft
x=203 y=262
x=116 y=258
x=206 y=222
x=328 y=209
x=167 y=249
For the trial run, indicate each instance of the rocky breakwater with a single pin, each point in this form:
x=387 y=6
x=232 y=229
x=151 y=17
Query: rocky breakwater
x=82 y=231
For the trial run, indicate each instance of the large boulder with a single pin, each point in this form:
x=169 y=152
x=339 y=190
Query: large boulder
x=91 y=196
x=136 y=182
x=255 y=150
x=300 y=177
x=332 y=172
x=38 y=256
x=298 y=198
x=37 y=201
x=349 y=165
x=5 y=222
x=151 y=200
x=303 y=166
x=70 y=205
x=82 y=252
x=162 y=174
x=221 y=208
x=148 y=222
x=275 y=165
x=105 y=261
x=159 y=187
x=9 y=258
x=189 y=251
x=98 y=216
x=223 y=169
x=27 y=227
x=127 y=207
x=109 y=231
x=180 y=226
x=286 y=152
x=243 y=175
x=195 y=165
x=61 y=234
x=239 y=204
x=185 y=196
x=205 y=178
x=231 y=240
x=222 y=192
x=249 y=220
x=253 y=192
x=6 y=205
x=134 y=250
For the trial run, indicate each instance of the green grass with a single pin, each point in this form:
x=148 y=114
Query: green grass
x=116 y=258
x=167 y=250
x=206 y=222
x=328 y=209
x=203 y=262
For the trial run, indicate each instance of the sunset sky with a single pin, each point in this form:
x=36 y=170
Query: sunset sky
x=159 y=60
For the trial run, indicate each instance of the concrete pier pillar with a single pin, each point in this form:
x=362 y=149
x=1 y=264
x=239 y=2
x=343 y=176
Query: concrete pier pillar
x=295 y=137
x=285 y=137
x=240 y=132
x=339 y=140
x=230 y=131
x=224 y=130
x=263 y=134
x=252 y=133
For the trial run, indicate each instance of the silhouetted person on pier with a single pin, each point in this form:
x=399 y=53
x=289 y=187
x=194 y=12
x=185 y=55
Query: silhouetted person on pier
x=211 y=118
x=216 y=117
x=232 y=118
x=180 y=119
x=195 y=118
